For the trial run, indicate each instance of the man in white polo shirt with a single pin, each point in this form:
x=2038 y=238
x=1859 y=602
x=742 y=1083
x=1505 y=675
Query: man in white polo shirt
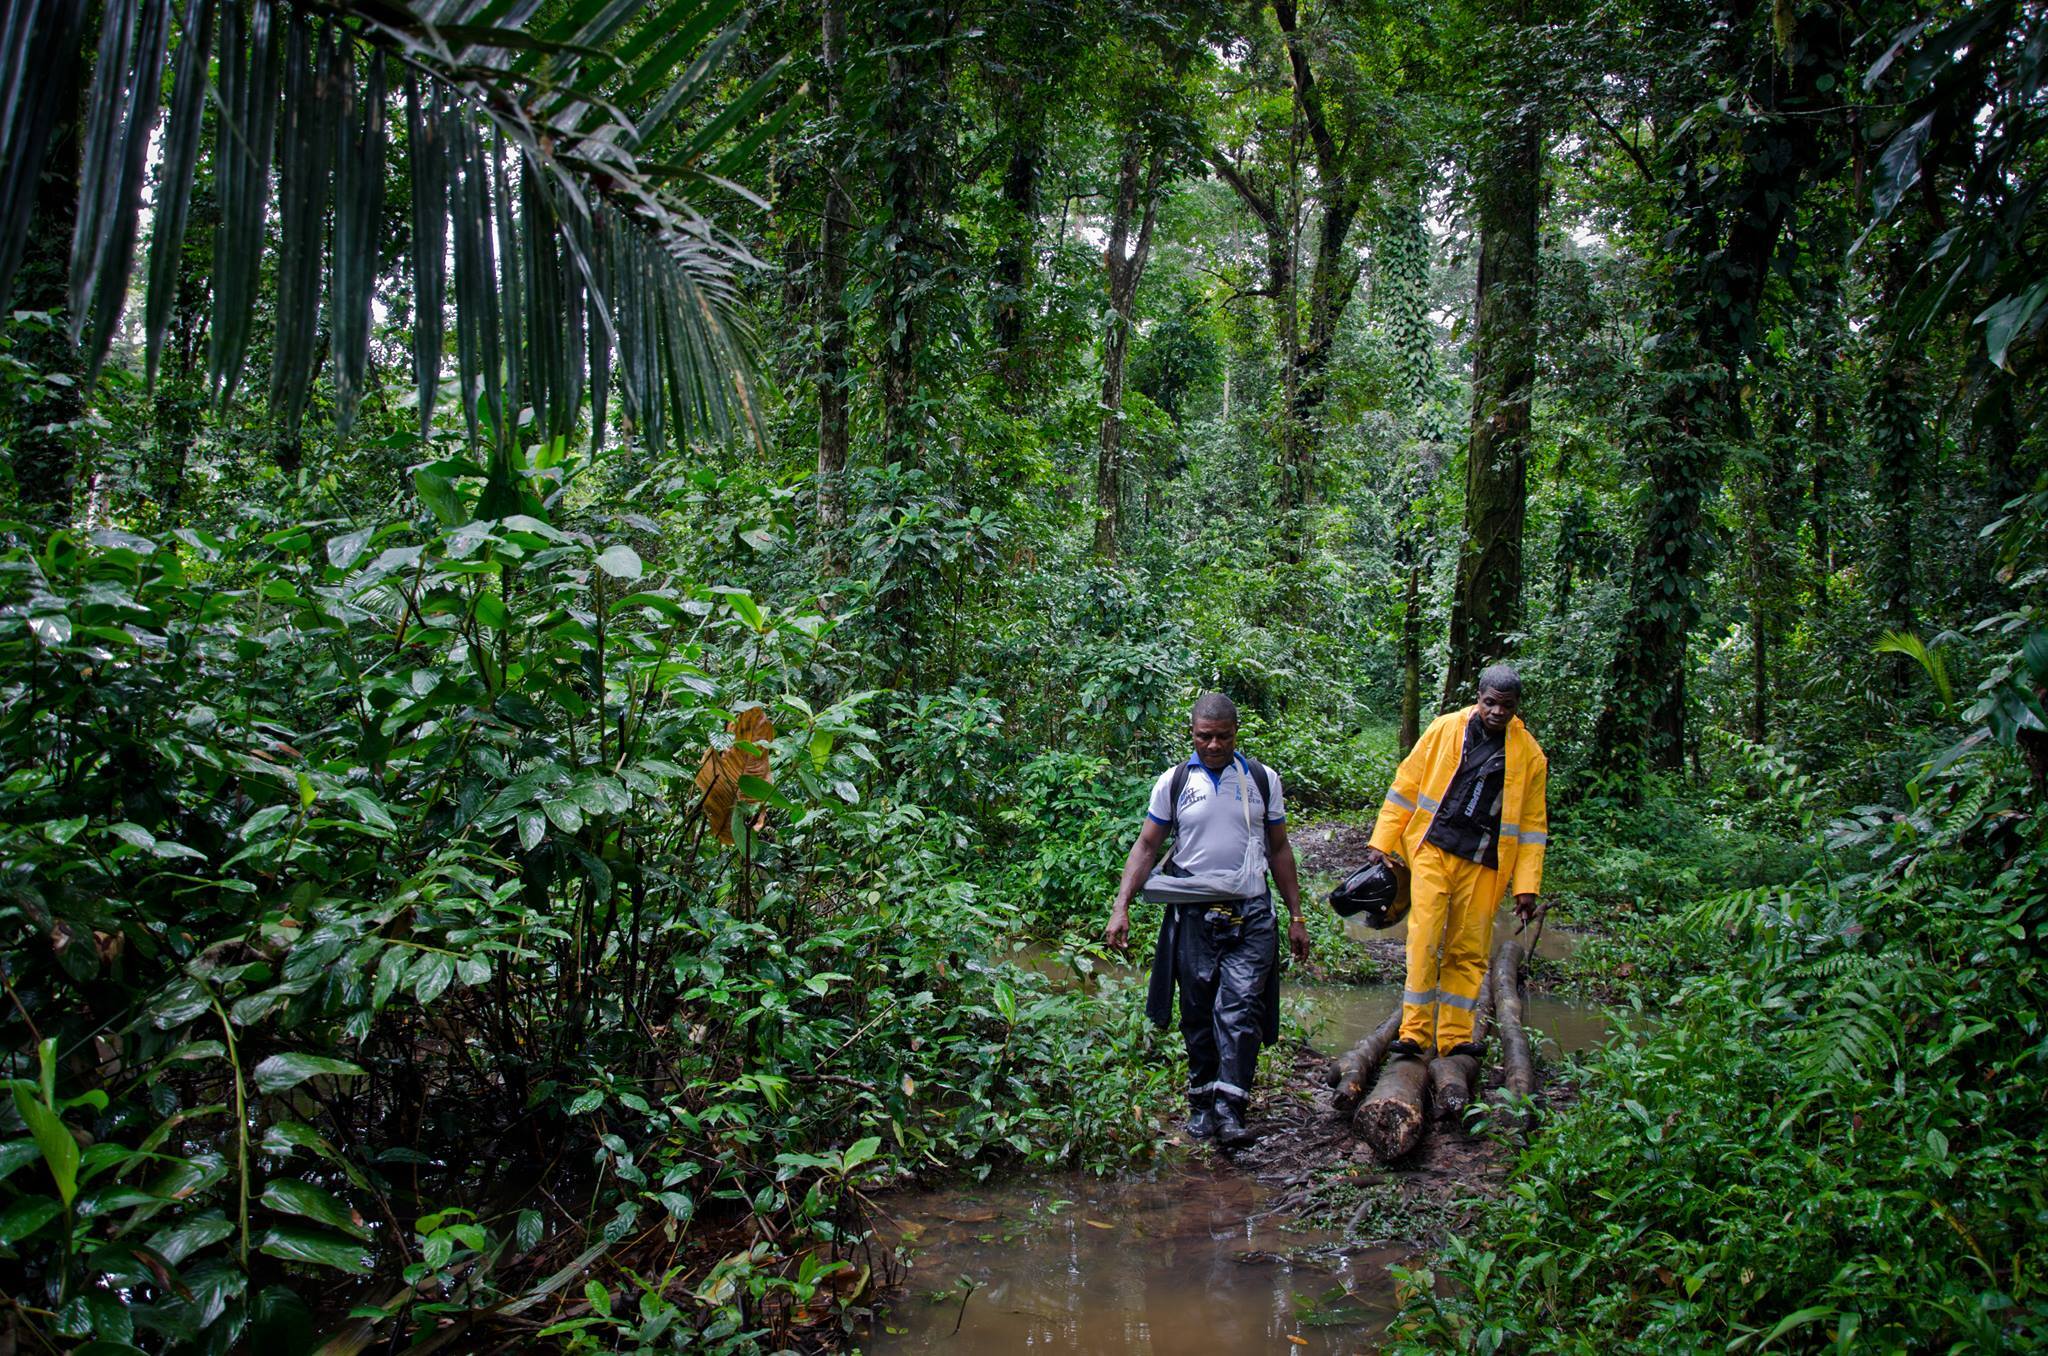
x=1218 y=939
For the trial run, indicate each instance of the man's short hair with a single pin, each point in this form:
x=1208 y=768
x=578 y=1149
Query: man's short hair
x=1214 y=706
x=1503 y=679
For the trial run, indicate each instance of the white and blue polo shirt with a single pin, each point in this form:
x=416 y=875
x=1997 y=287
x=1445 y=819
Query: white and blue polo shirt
x=1213 y=814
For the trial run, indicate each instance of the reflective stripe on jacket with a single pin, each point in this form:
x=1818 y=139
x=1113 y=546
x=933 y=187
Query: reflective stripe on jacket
x=1425 y=775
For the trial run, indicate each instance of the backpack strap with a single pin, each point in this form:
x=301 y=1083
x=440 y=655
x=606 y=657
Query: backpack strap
x=1262 y=777
x=1173 y=791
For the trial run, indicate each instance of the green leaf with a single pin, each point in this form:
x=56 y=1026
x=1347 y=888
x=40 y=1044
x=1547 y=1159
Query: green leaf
x=1795 y=1319
x=2007 y=318
x=372 y=811
x=861 y=1151
x=533 y=826
x=566 y=815
x=190 y=1235
x=344 y=550
x=527 y=1232
x=431 y=975
x=437 y=490
x=749 y=611
x=59 y=1149
x=25 y=1215
x=620 y=561
x=280 y=1072
x=295 y=1243
x=757 y=788
x=267 y=817
x=14 y=1153
x=289 y=1196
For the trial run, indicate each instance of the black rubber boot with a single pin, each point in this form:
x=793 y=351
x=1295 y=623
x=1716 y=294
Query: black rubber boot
x=1201 y=1123
x=1404 y=1048
x=1231 y=1131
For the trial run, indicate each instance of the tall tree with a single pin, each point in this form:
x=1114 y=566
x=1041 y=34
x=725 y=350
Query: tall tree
x=1341 y=138
x=1487 y=604
x=1141 y=169
x=46 y=427
x=1734 y=182
x=834 y=230
x=1401 y=288
x=1897 y=429
x=913 y=104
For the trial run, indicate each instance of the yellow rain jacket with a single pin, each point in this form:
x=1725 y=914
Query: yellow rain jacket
x=1450 y=924
x=1425 y=775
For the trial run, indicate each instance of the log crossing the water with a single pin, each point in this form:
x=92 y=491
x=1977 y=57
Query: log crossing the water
x=1453 y=1077
x=1518 y=1068
x=1351 y=1073
x=1391 y=1120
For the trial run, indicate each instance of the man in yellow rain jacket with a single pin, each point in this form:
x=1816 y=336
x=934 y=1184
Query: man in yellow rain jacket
x=1466 y=812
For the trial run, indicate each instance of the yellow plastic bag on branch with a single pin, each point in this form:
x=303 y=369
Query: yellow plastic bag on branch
x=718 y=777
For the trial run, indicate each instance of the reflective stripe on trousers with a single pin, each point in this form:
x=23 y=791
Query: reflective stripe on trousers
x=1450 y=933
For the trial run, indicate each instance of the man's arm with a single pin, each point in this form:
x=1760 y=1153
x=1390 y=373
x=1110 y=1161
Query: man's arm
x=1280 y=856
x=1143 y=857
x=1399 y=806
x=1535 y=839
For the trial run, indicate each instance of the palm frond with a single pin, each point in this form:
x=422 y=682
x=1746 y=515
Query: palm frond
x=120 y=115
x=1856 y=1030
x=579 y=263
x=181 y=158
x=38 y=42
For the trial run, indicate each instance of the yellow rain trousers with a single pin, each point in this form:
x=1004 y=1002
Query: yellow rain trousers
x=1453 y=901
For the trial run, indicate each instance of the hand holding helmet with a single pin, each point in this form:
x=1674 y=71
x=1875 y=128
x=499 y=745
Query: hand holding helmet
x=1376 y=892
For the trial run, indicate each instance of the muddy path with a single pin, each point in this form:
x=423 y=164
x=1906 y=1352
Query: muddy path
x=1289 y=1244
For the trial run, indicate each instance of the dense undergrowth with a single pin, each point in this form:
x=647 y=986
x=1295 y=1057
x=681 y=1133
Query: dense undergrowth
x=1829 y=1138
x=370 y=928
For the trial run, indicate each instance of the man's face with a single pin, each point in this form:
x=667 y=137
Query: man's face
x=1497 y=708
x=1215 y=742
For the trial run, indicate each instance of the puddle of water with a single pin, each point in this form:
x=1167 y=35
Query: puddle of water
x=1553 y=944
x=1338 y=1016
x=1174 y=1263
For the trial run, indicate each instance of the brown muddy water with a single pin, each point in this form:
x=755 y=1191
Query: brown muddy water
x=1189 y=1258
x=1177 y=1262
x=1336 y=1016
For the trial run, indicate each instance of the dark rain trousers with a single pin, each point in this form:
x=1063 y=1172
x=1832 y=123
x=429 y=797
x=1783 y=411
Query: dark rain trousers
x=1227 y=971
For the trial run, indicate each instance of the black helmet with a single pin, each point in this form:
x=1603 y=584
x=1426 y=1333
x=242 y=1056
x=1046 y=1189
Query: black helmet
x=1378 y=893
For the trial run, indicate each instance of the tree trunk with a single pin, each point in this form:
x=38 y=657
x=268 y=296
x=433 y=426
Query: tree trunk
x=1333 y=276
x=1487 y=605
x=832 y=326
x=909 y=150
x=1822 y=561
x=1518 y=1065
x=1411 y=642
x=1391 y=1120
x=1015 y=258
x=1726 y=237
x=1137 y=201
x=1897 y=430
x=1351 y=1073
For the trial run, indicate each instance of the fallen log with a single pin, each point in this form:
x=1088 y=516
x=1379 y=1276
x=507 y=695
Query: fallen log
x=1518 y=1068
x=1354 y=1069
x=1453 y=1077
x=1391 y=1119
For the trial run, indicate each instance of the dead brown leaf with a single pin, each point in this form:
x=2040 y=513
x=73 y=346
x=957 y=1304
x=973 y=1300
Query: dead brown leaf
x=718 y=777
